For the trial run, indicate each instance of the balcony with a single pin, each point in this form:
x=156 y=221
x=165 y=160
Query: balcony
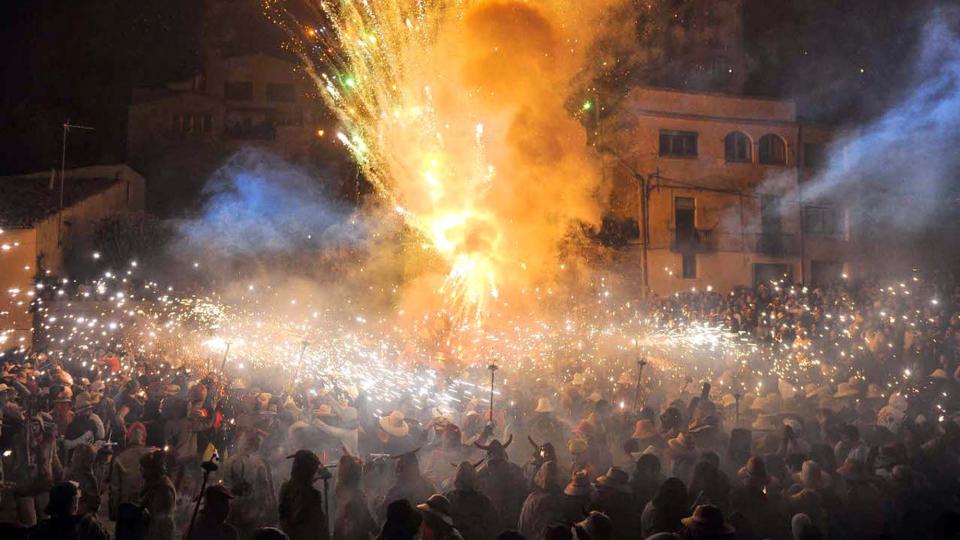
x=695 y=241
x=775 y=244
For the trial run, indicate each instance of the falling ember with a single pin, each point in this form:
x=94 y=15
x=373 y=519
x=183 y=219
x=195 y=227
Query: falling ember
x=455 y=111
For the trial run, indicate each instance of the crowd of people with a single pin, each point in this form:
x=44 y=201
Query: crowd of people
x=865 y=445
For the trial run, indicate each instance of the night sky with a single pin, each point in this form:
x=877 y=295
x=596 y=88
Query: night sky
x=79 y=61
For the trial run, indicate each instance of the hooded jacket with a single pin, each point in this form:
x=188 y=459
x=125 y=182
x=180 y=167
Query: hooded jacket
x=472 y=511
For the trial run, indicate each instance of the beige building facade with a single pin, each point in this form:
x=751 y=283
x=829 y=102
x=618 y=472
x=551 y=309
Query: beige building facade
x=711 y=186
x=36 y=234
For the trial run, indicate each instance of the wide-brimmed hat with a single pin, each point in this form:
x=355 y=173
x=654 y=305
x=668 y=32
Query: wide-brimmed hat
x=394 y=424
x=755 y=470
x=579 y=484
x=898 y=401
x=263 y=398
x=64 y=396
x=681 y=442
x=544 y=405
x=939 y=373
x=847 y=390
x=769 y=404
x=852 y=470
x=701 y=425
x=811 y=475
x=874 y=392
x=4 y=388
x=644 y=429
x=439 y=506
x=787 y=390
x=615 y=478
x=766 y=422
x=625 y=379
x=578 y=379
x=728 y=400
x=813 y=390
x=171 y=389
x=707 y=519
x=82 y=402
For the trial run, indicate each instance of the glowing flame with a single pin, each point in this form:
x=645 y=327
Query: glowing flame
x=455 y=112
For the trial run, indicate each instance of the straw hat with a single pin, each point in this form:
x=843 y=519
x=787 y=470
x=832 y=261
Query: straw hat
x=755 y=470
x=394 y=424
x=939 y=373
x=595 y=396
x=5 y=388
x=769 y=404
x=787 y=390
x=544 y=406
x=171 y=389
x=625 y=379
x=83 y=402
x=874 y=392
x=681 y=442
x=578 y=379
x=644 y=429
x=579 y=485
x=766 y=422
x=812 y=390
x=728 y=400
x=846 y=390
x=577 y=445
x=707 y=521
x=439 y=506
x=898 y=401
x=811 y=475
x=617 y=479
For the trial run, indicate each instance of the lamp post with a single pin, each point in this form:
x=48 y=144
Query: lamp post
x=493 y=369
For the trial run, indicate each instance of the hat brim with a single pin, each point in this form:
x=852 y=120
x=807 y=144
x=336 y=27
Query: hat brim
x=610 y=483
x=424 y=507
x=692 y=524
x=402 y=431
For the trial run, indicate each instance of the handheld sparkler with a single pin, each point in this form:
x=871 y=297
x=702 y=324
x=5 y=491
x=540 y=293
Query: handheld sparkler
x=493 y=369
x=737 y=397
x=636 y=396
x=303 y=349
x=226 y=353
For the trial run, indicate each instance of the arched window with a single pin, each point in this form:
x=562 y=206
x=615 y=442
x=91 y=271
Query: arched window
x=773 y=151
x=737 y=147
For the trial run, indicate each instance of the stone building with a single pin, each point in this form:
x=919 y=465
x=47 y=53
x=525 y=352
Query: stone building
x=37 y=234
x=724 y=201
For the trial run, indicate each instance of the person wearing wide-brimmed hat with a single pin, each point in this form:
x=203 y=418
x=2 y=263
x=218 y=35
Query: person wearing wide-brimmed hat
x=544 y=506
x=212 y=519
x=409 y=483
x=706 y=523
x=578 y=494
x=664 y=512
x=301 y=508
x=66 y=521
x=159 y=497
x=393 y=432
x=615 y=499
x=750 y=498
x=544 y=427
x=86 y=427
x=352 y=519
x=437 y=522
x=126 y=480
x=473 y=513
x=864 y=502
x=645 y=434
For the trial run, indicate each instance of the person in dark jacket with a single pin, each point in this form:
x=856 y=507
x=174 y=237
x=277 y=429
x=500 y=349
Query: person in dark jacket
x=615 y=500
x=473 y=513
x=578 y=495
x=646 y=479
x=64 y=523
x=403 y=522
x=502 y=481
x=544 y=506
x=437 y=522
x=664 y=512
x=301 y=505
x=212 y=522
x=409 y=483
x=353 y=520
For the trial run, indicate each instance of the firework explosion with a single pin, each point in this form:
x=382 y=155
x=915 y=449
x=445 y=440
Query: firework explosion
x=455 y=111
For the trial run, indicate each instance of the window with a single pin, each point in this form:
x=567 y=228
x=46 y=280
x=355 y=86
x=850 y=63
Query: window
x=678 y=143
x=280 y=92
x=773 y=151
x=684 y=208
x=737 y=148
x=238 y=90
x=813 y=155
x=207 y=123
x=689 y=266
x=822 y=222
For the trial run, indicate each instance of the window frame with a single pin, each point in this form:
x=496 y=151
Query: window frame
x=760 y=150
x=673 y=135
x=748 y=147
x=247 y=96
x=688 y=261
